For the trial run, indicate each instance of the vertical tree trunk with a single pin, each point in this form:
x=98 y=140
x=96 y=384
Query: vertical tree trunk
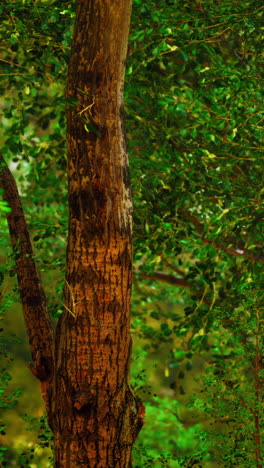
x=94 y=415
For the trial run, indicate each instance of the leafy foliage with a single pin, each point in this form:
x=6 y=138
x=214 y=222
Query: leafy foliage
x=193 y=98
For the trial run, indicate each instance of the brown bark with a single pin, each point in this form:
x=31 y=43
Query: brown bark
x=32 y=294
x=167 y=278
x=95 y=417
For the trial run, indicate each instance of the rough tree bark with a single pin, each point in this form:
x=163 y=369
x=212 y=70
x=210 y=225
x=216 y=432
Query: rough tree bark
x=93 y=345
x=37 y=318
x=84 y=372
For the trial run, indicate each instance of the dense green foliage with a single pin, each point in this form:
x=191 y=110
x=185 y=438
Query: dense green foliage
x=194 y=116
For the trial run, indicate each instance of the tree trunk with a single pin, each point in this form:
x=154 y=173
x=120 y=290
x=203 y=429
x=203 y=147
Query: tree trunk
x=94 y=414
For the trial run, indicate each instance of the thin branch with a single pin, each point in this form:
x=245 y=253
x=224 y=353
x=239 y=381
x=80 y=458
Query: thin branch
x=177 y=270
x=222 y=36
x=37 y=319
x=224 y=41
x=166 y=278
x=175 y=281
x=231 y=250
